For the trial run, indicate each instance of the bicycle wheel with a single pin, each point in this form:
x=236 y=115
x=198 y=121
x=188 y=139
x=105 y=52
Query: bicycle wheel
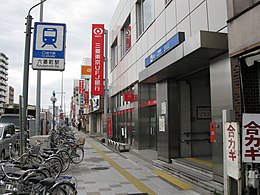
x=65 y=159
x=54 y=164
x=76 y=154
x=66 y=186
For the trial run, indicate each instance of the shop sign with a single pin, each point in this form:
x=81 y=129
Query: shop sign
x=232 y=154
x=213 y=127
x=165 y=48
x=81 y=86
x=85 y=72
x=128 y=97
x=86 y=96
x=109 y=126
x=97 y=61
x=251 y=138
x=150 y=102
x=128 y=38
x=95 y=103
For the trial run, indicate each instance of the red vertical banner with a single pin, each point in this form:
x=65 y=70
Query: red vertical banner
x=128 y=38
x=109 y=126
x=213 y=127
x=81 y=86
x=86 y=96
x=97 y=61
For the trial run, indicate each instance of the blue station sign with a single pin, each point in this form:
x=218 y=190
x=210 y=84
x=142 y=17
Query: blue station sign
x=49 y=46
x=165 y=48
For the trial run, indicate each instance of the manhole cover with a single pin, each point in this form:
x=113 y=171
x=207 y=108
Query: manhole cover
x=99 y=168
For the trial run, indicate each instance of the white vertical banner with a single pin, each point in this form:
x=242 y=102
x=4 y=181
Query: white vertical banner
x=232 y=152
x=251 y=138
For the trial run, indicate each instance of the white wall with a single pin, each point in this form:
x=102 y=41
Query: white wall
x=188 y=16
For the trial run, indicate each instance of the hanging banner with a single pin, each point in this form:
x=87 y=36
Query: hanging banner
x=81 y=86
x=251 y=138
x=109 y=126
x=86 y=96
x=232 y=145
x=97 y=61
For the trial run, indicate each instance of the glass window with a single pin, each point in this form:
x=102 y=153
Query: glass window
x=114 y=54
x=126 y=36
x=144 y=15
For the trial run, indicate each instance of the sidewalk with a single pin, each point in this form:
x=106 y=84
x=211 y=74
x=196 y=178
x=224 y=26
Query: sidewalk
x=104 y=171
x=188 y=169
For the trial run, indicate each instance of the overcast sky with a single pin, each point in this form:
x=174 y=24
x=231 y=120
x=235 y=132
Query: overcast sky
x=78 y=15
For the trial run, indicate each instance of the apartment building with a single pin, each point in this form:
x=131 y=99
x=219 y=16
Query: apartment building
x=3 y=80
x=170 y=77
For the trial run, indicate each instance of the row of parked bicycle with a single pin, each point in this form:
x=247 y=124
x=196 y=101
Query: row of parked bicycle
x=40 y=170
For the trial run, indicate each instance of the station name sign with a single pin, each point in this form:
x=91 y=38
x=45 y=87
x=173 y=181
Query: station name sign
x=49 y=46
x=173 y=42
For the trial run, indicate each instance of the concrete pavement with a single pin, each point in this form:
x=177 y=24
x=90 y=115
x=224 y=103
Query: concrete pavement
x=105 y=172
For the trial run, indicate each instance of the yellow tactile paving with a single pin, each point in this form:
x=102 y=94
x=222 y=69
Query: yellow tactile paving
x=132 y=179
x=173 y=180
x=199 y=161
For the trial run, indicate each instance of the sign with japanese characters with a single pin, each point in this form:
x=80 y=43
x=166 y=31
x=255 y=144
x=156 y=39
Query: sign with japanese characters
x=251 y=138
x=81 y=87
x=49 y=46
x=97 y=61
x=173 y=42
x=232 y=154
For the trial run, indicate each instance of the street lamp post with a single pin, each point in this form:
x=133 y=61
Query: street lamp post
x=53 y=99
x=26 y=74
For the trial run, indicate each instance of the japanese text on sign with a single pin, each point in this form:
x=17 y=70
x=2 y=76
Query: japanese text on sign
x=251 y=138
x=97 y=78
x=231 y=139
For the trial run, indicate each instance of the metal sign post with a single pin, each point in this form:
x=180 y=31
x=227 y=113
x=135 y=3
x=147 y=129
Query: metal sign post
x=26 y=68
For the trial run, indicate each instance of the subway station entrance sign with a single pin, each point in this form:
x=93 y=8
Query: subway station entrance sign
x=49 y=46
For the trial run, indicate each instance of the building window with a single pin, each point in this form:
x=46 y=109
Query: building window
x=114 y=54
x=126 y=36
x=144 y=15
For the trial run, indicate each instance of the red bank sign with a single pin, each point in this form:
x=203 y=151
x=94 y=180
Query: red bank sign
x=97 y=63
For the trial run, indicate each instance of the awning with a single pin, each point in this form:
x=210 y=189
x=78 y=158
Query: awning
x=192 y=55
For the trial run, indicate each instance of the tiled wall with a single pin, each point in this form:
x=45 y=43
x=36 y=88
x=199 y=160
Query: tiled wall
x=188 y=16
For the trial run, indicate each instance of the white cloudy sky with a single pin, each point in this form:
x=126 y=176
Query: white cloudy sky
x=78 y=16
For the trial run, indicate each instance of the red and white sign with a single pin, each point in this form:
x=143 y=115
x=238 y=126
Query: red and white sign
x=86 y=96
x=232 y=154
x=109 y=126
x=128 y=38
x=81 y=86
x=129 y=97
x=213 y=128
x=97 y=63
x=150 y=102
x=251 y=138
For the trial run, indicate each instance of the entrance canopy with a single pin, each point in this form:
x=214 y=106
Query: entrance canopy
x=191 y=56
